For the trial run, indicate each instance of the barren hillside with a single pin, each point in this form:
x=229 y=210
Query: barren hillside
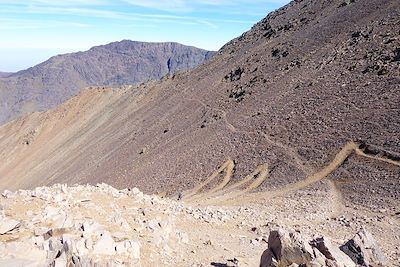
x=127 y=62
x=309 y=93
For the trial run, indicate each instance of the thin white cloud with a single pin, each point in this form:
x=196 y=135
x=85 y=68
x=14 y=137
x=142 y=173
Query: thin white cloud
x=104 y=14
x=188 y=6
x=56 y=3
x=167 y=5
x=91 y=8
x=105 y=9
x=116 y=15
x=18 y=24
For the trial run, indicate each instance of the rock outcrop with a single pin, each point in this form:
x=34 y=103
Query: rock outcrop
x=290 y=249
x=364 y=250
x=333 y=255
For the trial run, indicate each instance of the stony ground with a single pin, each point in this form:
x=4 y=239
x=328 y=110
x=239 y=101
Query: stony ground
x=105 y=226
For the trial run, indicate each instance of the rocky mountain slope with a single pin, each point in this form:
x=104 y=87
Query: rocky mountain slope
x=289 y=94
x=52 y=82
x=294 y=125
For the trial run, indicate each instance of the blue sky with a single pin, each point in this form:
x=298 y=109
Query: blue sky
x=33 y=30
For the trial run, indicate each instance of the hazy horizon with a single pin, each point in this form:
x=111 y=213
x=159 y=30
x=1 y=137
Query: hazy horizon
x=33 y=31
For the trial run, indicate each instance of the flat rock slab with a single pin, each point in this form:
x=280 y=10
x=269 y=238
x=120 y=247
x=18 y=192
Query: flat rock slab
x=7 y=225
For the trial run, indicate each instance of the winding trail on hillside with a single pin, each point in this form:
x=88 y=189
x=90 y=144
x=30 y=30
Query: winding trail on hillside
x=227 y=167
x=223 y=194
x=249 y=183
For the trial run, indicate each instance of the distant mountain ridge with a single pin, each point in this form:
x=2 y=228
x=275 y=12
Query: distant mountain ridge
x=126 y=62
x=5 y=74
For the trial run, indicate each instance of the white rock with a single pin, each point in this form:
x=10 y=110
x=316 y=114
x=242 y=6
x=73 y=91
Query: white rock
x=18 y=262
x=59 y=220
x=7 y=225
x=8 y=194
x=105 y=245
x=40 y=231
x=38 y=240
x=153 y=224
x=120 y=247
x=134 y=248
x=58 y=198
x=89 y=243
x=80 y=247
x=68 y=223
x=69 y=244
x=46 y=245
x=30 y=252
x=64 y=188
x=61 y=261
x=50 y=211
x=92 y=227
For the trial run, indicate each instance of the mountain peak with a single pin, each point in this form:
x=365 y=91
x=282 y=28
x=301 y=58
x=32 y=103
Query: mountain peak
x=126 y=62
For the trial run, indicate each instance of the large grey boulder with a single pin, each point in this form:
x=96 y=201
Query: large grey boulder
x=364 y=250
x=289 y=247
x=267 y=258
x=286 y=248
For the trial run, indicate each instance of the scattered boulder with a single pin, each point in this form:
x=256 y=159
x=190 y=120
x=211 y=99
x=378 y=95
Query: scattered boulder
x=286 y=248
x=364 y=250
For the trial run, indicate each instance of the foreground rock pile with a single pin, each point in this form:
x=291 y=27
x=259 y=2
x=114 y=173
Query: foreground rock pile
x=96 y=226
x=102 y=226
x=57 y=235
